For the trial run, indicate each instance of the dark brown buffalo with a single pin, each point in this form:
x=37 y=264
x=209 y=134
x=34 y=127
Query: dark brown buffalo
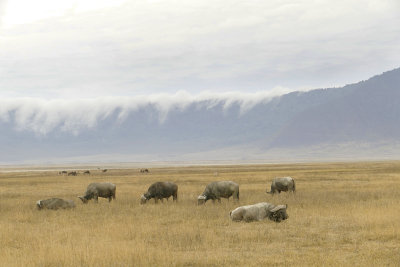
x=218 y=190
x=284 y=184
x=96 y=190
x=160 y=190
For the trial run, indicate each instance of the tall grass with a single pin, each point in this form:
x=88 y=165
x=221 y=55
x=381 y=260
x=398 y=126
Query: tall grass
x=342 y=214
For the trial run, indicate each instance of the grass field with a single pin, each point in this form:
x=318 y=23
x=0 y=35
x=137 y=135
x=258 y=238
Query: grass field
x=343 y=214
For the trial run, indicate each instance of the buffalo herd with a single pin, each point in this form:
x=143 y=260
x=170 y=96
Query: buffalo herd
x=72 y=173
x=214 y=191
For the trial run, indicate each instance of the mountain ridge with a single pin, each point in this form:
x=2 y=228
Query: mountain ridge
x=361 y=113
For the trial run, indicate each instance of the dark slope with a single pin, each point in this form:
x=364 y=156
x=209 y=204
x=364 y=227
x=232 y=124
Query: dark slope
x=369 y=111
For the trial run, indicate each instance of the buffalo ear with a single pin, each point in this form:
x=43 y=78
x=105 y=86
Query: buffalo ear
x=275 y=209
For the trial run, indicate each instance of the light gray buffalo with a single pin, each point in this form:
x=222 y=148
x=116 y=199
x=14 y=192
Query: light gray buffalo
x=160 y=190
x=282 y=184
x=216 y=190
x=258 y=212
x=96 y=190
x=55 y=204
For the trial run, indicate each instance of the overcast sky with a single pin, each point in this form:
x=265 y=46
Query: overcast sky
x=83 y=49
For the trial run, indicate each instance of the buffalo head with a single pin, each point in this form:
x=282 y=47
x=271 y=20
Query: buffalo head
x=201 y=200
x=143 y=200
x=84 y=199
x=278 y=213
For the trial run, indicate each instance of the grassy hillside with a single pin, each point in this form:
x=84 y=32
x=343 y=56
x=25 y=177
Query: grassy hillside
x=342 y=214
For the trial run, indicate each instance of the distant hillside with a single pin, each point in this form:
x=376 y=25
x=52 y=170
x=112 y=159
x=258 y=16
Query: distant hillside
x=361 y=119
x=365 y=112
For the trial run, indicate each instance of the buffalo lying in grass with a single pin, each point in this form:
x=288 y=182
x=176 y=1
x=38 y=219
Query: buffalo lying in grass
x=259 y=211
x=55 y=204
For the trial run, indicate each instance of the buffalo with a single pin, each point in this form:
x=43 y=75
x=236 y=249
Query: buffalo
x=282 y=184
x=55 y=203
x=96 y=190
x=160 y=190
x=258 y=212
x=218 y=190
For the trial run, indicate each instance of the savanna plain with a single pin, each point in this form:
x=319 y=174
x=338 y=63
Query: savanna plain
x=344 y=214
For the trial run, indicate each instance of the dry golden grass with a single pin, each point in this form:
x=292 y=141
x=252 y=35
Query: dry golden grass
x=342 y=214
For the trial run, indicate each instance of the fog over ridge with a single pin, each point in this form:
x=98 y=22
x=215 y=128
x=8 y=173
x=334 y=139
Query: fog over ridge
x=43 y=116
x=358 y=120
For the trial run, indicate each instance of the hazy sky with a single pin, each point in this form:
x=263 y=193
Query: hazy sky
x=81 y=49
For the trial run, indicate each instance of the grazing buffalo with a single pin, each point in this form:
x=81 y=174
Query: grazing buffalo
x=55 y=204
x=73 y=173
x=96 y=190
x=258 y=212
x=86 y=172
x=62 y=172
x=216 y=190
x=282 y=184
x=160 y=190
x=105 y=170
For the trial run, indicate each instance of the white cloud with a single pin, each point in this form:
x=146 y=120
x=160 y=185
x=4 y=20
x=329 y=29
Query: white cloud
x=74 y=115
x=26 y=11
x=151 y=47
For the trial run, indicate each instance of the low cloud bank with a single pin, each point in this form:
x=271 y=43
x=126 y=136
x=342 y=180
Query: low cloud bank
x=42 y=116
